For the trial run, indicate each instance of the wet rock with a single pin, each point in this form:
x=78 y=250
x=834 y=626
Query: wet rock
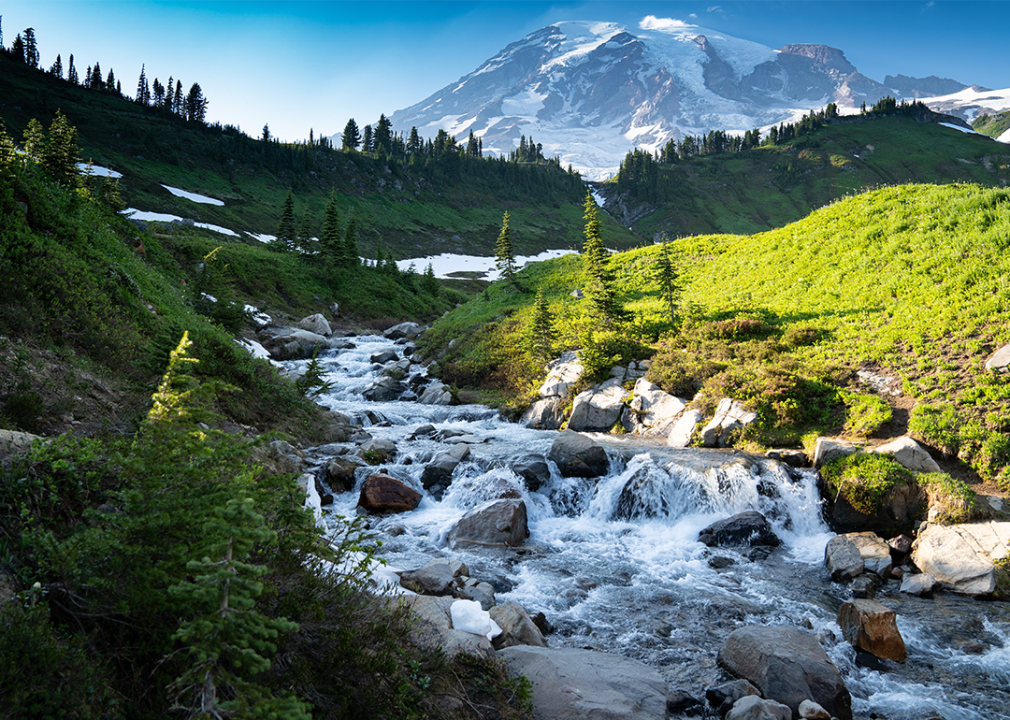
x=683 y=430
x=787 y=665
x=578 y=456
x=495 y=523
x=872 y=627
x=339 y=473
x=746 y=528
x=597 y=409
x=316 y=324
x=378 y=450
x=754 y=708
x=722 y=697
x=385 y=494
x=920 y=584
x=517 y=627
x=954 y=557
x=533 y=469
x=409 y=330
x=843 y=559
x=481 y=592
x=792 y=458
x=383 y=356
x=680 y=703
x=865 y=586
x=573 y=684
x=546 y=414
x=828 y=449
x=432 y=628
x=902 y=505
x=434 y=578
x=908 y=453
x=437 y=393
x=809 y=710
x=384 y=389
x=719 y=562
x=422 y=431
x=439 y=471
x=900 y=547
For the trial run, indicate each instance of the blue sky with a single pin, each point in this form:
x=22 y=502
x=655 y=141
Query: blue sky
x=314 y=64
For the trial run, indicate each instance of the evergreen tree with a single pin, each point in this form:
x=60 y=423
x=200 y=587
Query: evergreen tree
x=286 y=233
x=31 y=48
x=157 y=92
x=143 y=90
x=382 y=138
x=57 y=68
x=170 y=94
x=34 y=140
x=667 y=277
x=177 y=103
x=18 y=48
x=351 y=138
x=601 y=296
x=429 y=283
x=351 y=256
x=306 y=241
x=366 y=139
x=414 y=141
x=541 y=329
x=332 y=243
x=196 y=104
x=504 y=256
x=59 y=156
x=72 y=72
x=265 y=137
x=96 y=78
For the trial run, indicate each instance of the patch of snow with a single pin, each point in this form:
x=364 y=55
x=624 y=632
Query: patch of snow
x=257 y=316
x=208 y=296
x=193 y=196
x=468 y=616
x=98 y=171
x=962 y=129
x=263 y=238
x=1005 y=137
x=447 y=263
x=217 y=228
x=148 y=216
x=255 y=349
x=527 y=103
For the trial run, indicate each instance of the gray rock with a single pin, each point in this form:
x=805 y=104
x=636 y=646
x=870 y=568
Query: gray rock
x=792 y=458
x=432 y=628
x=954 y=557
x=562 y=374
x=546 y=414
x=383 y=356
x=578 y=456
x=788 y=666
x=533 y=469
x=655 y=409
x=869 y=626
x=874 y=550
x=597 y=409
x=746 y=528
x=13 y=443
x=843 y=559
x=908 y=453
x=517 y=627
x=409 y=330
x=754 y=708
x=495 y=523
x=918 y=584
x=1000 y=361
x=729 y=415
x=809 y=710
x=291 y=343
x=482 y=592
x=682 y=431
x=828 y=449
x=340 y=473
x=722 y=697
x=316 y=324
x=379 y=450
x=439 y=471
x=384 y=389
x=437 y=393
x=434 y=578
x=575 y=684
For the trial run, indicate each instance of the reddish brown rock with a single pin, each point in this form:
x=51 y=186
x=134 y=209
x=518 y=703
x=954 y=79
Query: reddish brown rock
x=385 y=494
x=872 y=627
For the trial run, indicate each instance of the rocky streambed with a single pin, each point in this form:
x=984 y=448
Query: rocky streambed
x=612 y=574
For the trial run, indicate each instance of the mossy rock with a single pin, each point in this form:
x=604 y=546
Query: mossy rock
x=871 y=492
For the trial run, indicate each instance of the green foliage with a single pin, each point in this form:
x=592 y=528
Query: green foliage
x=313 y=382
x=541 y=329
x=679 y=372
x=864 y=480
x=866 y=413
x=602 y=304
x=602 y=350
x=950 y=501
x=1002 y=578
x=936 y=425
x=504 y=255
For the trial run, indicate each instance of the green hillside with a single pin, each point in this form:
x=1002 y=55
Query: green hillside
x=772 y=185
x=908 y=281
x=414 y=207
x=992 y=125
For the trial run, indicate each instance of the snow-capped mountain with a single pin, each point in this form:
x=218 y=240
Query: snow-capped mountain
x=590 y=91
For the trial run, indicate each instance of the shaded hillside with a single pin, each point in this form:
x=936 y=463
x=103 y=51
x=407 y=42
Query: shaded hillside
x=447 y=204
x=769 y=186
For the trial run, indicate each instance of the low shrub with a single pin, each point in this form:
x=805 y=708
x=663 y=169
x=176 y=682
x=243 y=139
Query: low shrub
x=950 y=501
x=680 y=372
x=936 y=426
x=866 y=413
x=864 y=480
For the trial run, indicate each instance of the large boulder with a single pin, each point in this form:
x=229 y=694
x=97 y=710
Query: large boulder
x=384 y=389
x=13 y=442
x=436 y=393
x=438 y=473
x=843 y=559
x=339 y=473
x=597 y=409
x=546 y=414
x=867 y=625
x=517 y=627
x=562 y=374
x=827 y=449
x=433 y=629
x=683 y=430
x=910 y=454
x=960 y=557
x=918 y=584
x=787 y=665
x=495 y=523
x=729 y=415
x=409 y=330
x=655 y=409
x=578 y=456
x=533 y=469
x=746 y=528
x=292 y=343
x=434 y=578
x=384 y=494
x=874 y=551
x=575 y=684
x=316 y=324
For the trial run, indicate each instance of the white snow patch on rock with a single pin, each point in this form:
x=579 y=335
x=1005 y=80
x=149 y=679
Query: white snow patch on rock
x=468 y=616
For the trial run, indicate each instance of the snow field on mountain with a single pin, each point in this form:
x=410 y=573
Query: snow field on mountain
x=195 y=197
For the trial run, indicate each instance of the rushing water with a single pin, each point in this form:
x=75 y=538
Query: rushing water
x=615 y=565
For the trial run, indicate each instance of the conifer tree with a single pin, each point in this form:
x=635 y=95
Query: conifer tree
x=177 y=102
x=18 y=48
x=34 y=140
x=429 y=283
x=333 y=250
x=196 y=104
x=31 y=48
x=170 y=94
x=72 y=72
x=504 y=256
x=157 y=92
x=351 y=138
x=382 y=138
x=667 y=277
x=306 y=241
x=59 y=157
x=541 y=329
x=143 y=90
x=286 y=233
x=57 y=68
x=366 y=139
x=601 y=295
x=351 y=256
x=414 y=141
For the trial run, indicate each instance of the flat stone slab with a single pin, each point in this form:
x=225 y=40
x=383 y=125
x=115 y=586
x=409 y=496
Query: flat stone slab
x=1000 y=361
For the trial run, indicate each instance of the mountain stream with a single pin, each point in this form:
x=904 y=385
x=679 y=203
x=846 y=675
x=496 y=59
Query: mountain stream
x=615 y=565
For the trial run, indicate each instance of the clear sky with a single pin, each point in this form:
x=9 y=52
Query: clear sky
x=313 y=64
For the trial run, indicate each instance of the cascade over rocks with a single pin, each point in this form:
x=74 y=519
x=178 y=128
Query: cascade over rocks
x=746 y=528
x=574 y=684
x=438 y=473
x=533 y=469
x=495 y=523
x=870 y=626
x=384 y=494
x=578 y=456
x=787 y=665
